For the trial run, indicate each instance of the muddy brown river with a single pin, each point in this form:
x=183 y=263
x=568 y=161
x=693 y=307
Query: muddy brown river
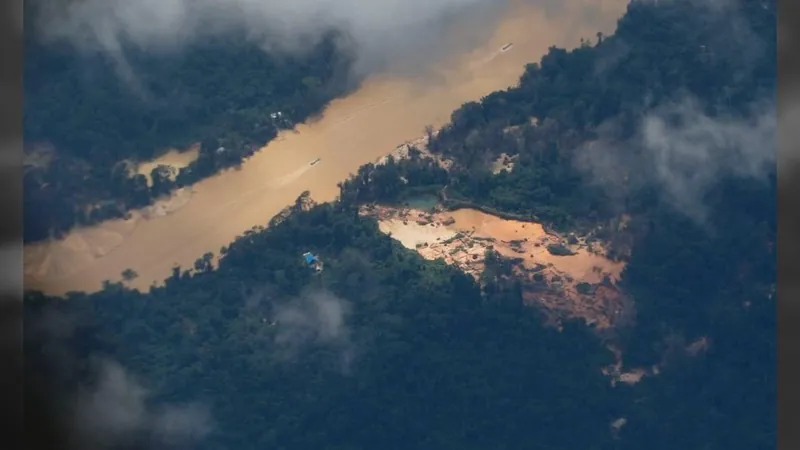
x=354 y=130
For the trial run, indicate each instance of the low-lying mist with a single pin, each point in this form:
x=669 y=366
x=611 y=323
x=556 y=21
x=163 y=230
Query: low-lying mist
x=386 y=35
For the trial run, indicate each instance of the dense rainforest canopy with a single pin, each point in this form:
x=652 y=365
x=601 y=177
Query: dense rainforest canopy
x=87 y=115
x=671 y=61
x=385 y=350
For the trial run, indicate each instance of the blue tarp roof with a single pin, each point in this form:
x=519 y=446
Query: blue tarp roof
x=310 y=259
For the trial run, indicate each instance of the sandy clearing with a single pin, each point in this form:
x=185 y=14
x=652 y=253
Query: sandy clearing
x=355 y=130
x=462 y=237
x=503 y=162
x=582 y=265
x=412 y=234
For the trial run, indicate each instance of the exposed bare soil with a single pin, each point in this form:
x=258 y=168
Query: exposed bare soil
x=362 y=127
x=462 y=238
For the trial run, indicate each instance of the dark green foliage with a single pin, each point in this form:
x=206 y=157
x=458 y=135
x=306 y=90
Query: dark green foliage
x=660 y=52
x=430 y=360
x=689 y=279
x=583 y=288
x=435 y=364
x=220 y=92
x=725 y=397
x=129 y=274
x=559 y=250
x=394 y=181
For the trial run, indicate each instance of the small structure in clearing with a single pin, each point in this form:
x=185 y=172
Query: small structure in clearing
x=503 y=162
x=313 y=261
x=403 y=151
x=578 y=284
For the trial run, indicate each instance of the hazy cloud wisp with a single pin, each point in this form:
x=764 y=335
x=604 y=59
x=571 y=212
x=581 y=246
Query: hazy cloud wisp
x=690 y=155
x=317 y=318
x=104 y=405
x=384 y=34
x=685 y=152
x=117 y=410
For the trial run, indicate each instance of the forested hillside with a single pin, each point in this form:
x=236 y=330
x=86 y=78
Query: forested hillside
x=385 y=350
x=87 y=115
x=380 y=349
x=579 y=126
x=584 y=109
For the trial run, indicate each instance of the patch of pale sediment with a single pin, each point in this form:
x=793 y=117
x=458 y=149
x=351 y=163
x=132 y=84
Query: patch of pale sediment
x=165 y=206
x=412 y=234
x=354 y=130
x=527 y=241
x=582 y=265
x=39 y=262
x=403 y=151
x=173 y=158
x=462 y=238
x=503 y=162
x=82 y=246
x=618 y=374
x=603 y=307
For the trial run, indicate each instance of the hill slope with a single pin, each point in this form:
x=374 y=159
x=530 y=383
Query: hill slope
x=384 y=349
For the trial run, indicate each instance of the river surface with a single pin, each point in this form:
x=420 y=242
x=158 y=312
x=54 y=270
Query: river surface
x=354 y=130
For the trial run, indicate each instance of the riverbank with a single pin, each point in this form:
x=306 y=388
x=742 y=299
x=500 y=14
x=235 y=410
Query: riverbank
x=353 y=131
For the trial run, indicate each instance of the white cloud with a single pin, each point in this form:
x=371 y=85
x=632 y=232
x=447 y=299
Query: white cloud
x=689 y=150
x=684 y=152
x=317 y=318
x=382 y=31
x=117 y=410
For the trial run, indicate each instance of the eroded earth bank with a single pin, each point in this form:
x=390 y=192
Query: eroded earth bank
x=355 y=130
